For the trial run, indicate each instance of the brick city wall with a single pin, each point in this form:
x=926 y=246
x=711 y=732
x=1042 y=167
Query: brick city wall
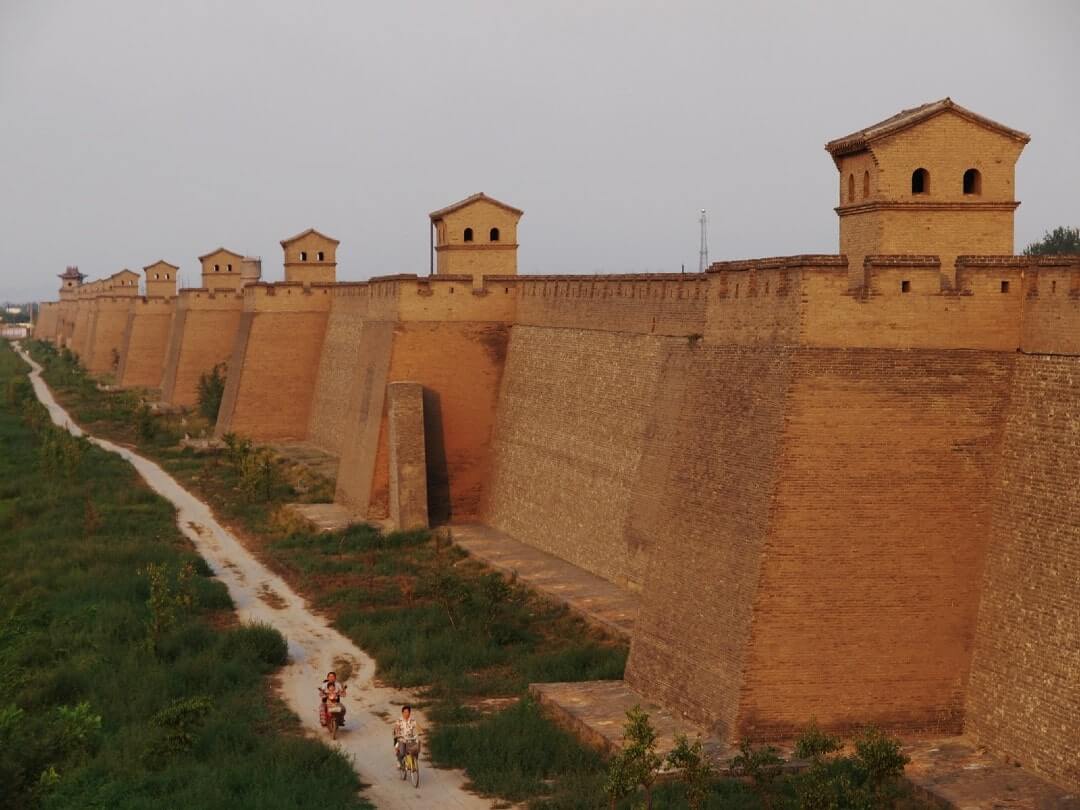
x=362 y=482
x=145 y=342
x=107 y=334
x=201 y=335
x=48 y=321
x=644 y=304
x=871 y=568
x=700 y=510
x=1024 y=698
x=339 y=364
x=275 y=361
x=568 y=440
x=408 y=466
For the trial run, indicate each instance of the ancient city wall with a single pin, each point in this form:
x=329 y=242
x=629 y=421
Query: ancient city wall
x=643 y=304
x=568 y=440
x=701 y=507
x=145 y=342
x=882 y=498
x=1024 y=697
x=339 y=363
x=107 y=334
x=275 y=361
x=81 y=328
x=201 y=335
x=47 y=321
x=446 y=335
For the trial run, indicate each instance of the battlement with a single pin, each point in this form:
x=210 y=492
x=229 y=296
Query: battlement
x=287 y=296
x=642 y=303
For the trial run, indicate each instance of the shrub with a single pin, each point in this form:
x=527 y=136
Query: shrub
x=211 y=390
x=696 y=771
x=635 y=766
x=761 y=766
x=261 y=641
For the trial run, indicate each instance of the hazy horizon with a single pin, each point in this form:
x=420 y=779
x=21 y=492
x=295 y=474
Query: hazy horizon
x=133 y=131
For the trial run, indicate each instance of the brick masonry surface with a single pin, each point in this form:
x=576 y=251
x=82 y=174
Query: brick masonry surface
x=1024 y=697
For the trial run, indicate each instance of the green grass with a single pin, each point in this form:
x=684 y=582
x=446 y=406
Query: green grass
x=92 y=714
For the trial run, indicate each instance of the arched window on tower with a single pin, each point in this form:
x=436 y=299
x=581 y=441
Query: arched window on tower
x=468 y=234
x=972 y=182
x=303 y=255
x=494 y=235
x=866 y=184
x=321 y=256
x=920 y=181
x=851 y=188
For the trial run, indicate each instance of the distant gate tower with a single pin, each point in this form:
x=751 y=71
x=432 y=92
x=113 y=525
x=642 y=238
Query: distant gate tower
x=476 y=237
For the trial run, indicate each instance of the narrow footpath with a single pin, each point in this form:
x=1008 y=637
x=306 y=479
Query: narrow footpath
x=314 y=646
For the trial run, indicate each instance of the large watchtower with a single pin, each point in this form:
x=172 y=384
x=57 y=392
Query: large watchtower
x=937 y=179
x=476 y=237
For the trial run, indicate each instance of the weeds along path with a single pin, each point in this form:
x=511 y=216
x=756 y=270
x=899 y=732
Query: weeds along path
x=314 y=646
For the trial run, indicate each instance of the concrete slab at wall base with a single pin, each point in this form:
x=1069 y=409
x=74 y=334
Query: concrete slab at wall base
x=595 y=712
x=324 y=517
x=956 y=773
x=599 y=601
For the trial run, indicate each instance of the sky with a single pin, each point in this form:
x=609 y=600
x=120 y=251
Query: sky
x=132 y=130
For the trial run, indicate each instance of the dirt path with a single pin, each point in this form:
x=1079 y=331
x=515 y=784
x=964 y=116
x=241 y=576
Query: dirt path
x=314 y=646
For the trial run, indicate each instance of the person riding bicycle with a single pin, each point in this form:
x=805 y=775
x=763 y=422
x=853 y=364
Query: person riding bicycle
x=332 y=692
x=406 y=733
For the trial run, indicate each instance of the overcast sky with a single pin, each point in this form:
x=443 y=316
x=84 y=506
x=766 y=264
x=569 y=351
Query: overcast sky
x=142 y=129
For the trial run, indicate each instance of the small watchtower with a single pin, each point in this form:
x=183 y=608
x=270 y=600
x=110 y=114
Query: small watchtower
x=70 y=281
x=310 y=257
x=937 y=179
x=221 y=270
x=125 y=283
x=161 y=279
x=476 y=237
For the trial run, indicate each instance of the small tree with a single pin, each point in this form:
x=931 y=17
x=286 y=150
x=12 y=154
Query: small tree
x=696 y=770
x=166 y=599
x=881 y=760
x=814 y=744
x=761 y=766
x=1058 y=242
x=636 y=764
x=211 y=390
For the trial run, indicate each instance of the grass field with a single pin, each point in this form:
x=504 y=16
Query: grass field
x=124 y=680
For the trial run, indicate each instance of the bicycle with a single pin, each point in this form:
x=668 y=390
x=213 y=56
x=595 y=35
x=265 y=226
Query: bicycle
x=410 y=763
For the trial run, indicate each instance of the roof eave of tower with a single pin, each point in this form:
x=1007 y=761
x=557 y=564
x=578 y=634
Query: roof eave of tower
x=219 y=250
x=858 y=141
x=308 y=232
x=160 y=262
x=478 y=197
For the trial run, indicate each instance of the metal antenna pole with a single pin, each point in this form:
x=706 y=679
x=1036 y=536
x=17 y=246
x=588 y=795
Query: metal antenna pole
x=703 y=256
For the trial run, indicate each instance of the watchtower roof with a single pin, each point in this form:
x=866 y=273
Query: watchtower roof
x=442 y=212
x=72 y=272
x=219 y=250
x=857 y=141
x=309 y=232
x=159 y=263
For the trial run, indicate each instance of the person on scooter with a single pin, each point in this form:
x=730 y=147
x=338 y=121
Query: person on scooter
x=406 y=732
x=332 y=692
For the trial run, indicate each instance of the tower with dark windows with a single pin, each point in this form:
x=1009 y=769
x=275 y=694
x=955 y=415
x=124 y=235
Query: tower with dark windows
x=476 y=237
x=310 y=256
x=934 y=180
